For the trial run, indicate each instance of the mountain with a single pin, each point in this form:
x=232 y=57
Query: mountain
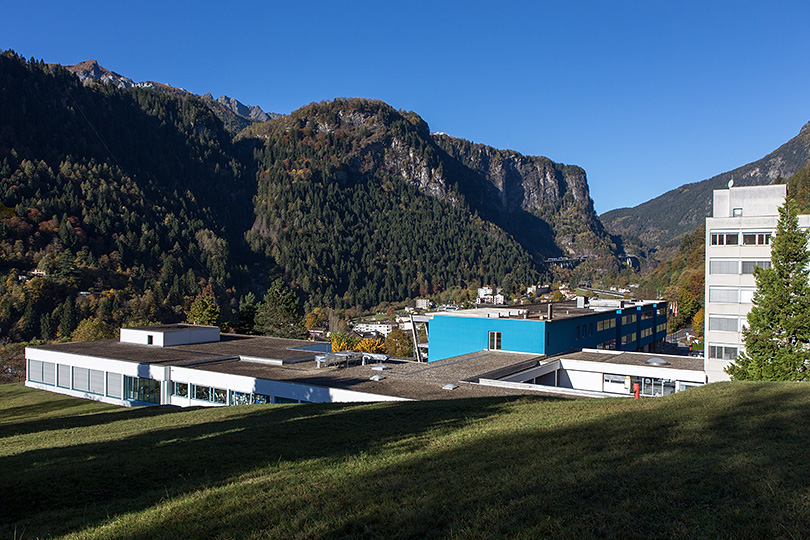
x=354 y=191
x=124 y=202
x=134 y=197
x=234 y=114
x=91 y=71
x=663 y=221
x=253 y=112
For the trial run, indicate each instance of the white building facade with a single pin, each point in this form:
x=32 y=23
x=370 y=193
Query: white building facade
x=738 y=239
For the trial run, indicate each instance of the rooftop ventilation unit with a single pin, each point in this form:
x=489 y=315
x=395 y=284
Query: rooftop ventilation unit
x=449 y=386
x=377 y=377
x=655 y=361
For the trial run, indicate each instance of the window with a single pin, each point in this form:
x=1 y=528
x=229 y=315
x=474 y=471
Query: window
x=662 y=328
x=646 y=315
x=97 y=382
x=629 y=338
x=607 y=324
x=115 y=385
x=149 y=339
x=139 y=389
x=42 y=372
x=207 y=393
x=721 y=352
x=577 y=332
x=647 y=332
x=756 y=239
x=495 y=340
x=748 y=266
x=260 y=399
x=81 y=379
x=724 y=324
x=747 y=296
x=736 y=212
x=609 y=345
x=720 y=266
x=724 y=296
x=725 y=239
x=629 y=319
x=63 y=376
x=203 y=393
x=180 y=389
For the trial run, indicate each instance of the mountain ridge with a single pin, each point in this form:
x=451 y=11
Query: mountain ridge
x=234 y=114
x=663 y=221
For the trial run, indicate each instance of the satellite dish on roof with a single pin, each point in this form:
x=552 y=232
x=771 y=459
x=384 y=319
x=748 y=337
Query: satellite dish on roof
x=731 y=182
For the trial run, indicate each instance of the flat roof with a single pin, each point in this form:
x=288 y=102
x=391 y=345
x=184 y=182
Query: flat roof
x=237 y=354
x=634 y=359
x=559 y=310
x=171 y=327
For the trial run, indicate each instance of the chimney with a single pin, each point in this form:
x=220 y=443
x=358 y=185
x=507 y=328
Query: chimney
x=550 y=309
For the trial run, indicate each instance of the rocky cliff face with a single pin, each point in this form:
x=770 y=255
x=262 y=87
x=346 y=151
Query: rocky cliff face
x=254 y=112
x=90 y=70
x=522 y=182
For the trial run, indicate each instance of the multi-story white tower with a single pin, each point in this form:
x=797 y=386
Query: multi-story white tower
x=738 y=238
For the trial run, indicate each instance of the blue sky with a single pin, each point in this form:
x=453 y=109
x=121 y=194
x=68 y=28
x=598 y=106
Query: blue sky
x=645 y=96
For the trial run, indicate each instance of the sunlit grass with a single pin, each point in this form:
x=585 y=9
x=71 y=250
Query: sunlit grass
x=718 y=462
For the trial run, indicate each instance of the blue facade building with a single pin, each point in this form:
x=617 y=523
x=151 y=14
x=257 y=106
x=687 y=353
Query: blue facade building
x=550 y=328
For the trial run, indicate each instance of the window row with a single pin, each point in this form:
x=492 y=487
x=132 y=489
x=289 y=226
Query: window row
x=587 y=331
x=725 y=295
x=629 y=338
x=748 y=239
x=606 y=324
x=628 y=319
x=92 y=381
x=220 y=395
x=722 y=352
x=724 y=324
x=726 y=266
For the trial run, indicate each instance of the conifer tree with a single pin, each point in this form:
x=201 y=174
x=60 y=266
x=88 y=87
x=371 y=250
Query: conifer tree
x=777 y=338
x=205 y=309
x=280 y=313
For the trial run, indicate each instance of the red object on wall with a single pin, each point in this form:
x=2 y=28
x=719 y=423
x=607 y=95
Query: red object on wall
x=636 y=390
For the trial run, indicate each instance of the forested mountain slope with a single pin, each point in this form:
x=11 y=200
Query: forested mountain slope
x=663 y=221
x=363 y=194
x=135 y=194
x=138 y=197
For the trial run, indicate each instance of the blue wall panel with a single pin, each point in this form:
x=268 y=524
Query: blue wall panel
x=453 y=336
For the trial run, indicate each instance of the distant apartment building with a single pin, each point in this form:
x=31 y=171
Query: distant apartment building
x=738 y=240
x=382 y=328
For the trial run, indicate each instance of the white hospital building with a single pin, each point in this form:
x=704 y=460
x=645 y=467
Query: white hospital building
x=738 y=239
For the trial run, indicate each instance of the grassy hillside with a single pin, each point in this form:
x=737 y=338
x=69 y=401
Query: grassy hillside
x=718 y=462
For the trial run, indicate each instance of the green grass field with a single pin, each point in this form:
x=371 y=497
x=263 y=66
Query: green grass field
x=726 y=461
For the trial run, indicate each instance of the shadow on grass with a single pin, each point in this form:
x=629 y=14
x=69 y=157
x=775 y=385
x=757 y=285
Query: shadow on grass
x=174 y=452
x=727 y=463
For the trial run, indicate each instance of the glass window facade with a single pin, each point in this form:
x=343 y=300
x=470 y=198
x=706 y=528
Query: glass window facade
x=140 y=389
